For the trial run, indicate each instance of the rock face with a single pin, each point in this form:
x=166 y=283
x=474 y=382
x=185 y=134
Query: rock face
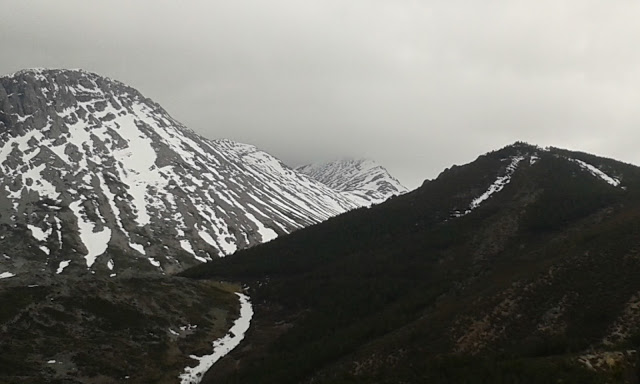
x=96 y=177
x=364 y=181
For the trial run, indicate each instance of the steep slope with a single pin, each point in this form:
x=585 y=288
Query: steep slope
x=519 y=267
x=364 y=181
x=94 y=176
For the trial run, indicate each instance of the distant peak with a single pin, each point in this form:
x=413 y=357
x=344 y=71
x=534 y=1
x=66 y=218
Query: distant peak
x=53 y=74
x=362 y=179
x=46 y=71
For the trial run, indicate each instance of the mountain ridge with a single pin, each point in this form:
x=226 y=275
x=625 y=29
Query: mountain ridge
x=365 y=180
x=96 y=176
x=516 y=267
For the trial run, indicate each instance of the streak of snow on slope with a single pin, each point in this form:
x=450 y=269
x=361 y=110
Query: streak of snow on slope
x=222 y=346
x=63 y=264
x=496 y=187
x=499 y=184
x=140 y=158
x=267 y=234
x=597 y=173
x=95 y=242
x=138 y=247
x=6 y=275
x=206 y=237
x=59 y=230
x=186 y=245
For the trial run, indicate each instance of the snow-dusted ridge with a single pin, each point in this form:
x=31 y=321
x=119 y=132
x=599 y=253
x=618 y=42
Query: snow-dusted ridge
x=363 y=181
x=222 y=346
x=100 y=173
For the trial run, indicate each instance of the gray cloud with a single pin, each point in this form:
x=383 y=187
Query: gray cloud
x=415 y=85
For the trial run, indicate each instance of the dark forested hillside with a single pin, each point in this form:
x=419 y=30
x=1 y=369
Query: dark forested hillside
x=521 y=267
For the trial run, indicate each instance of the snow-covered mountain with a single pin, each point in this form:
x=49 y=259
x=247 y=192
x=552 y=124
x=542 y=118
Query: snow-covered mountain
x=95 y=176
x=364 y=181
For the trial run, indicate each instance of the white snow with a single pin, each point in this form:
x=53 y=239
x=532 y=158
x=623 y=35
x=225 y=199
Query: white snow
x=117 y=162
x=63 y=264
x=222 y=346
x=6 y=275
x=138 y=248
x=186 y=245
x=110 y=264
x=95 y=242
x=154 y=262
x=139 y=158
x=496 y=187
x=267 y=234
x=111 y=199
x=51 y=362
x=597 y=173
x=188 y=327
x=206 y=237
x=38 y=233
x=59 y=230
x=533 y=159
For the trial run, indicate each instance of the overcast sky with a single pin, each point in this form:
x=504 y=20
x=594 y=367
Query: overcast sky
x=415 y=85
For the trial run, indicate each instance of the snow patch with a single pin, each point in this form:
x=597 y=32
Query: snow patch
x=597 y=173
x=533 y=159
x=38 y=233
x=496 y=187
x=267 y=234
x=62 y=266
x=6 y=275
x=138 y=248
x=95 y=242
x=222 y=346
x=186 y=245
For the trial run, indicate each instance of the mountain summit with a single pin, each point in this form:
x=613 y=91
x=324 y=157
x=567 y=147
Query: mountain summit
x=96 y=176
x=363 y=180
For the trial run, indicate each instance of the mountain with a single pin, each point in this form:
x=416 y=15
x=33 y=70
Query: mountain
x=520 y=267
x=96 y=177
x=363 y=180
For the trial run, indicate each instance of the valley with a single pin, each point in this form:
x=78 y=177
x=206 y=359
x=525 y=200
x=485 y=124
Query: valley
x=134 y=250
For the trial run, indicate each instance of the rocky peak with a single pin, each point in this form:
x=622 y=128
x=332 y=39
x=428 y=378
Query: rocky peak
x=364 y=180
x=96 y=177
